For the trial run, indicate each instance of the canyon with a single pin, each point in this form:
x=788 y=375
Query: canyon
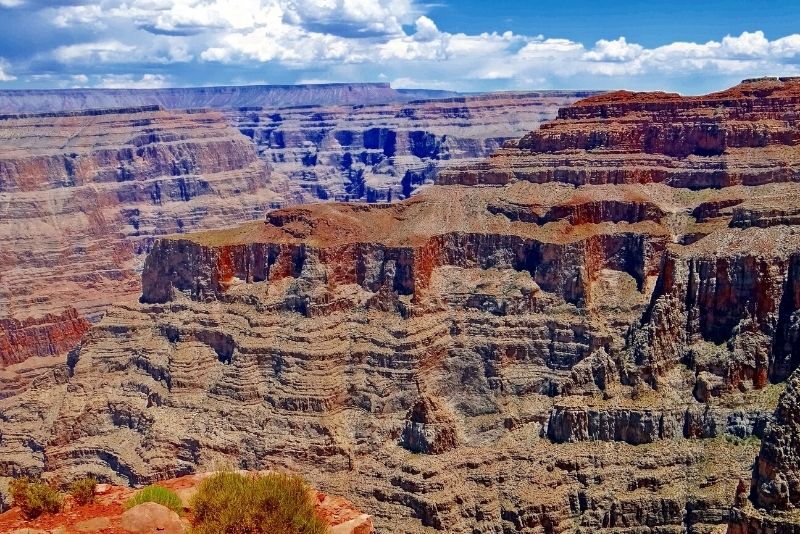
x=84 y=193
x=593 y=329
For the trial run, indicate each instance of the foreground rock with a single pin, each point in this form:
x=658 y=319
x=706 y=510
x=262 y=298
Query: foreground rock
x=107 y=513
x=151 y=518
x=543 y=343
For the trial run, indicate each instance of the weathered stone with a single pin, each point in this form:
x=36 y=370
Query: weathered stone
x=151 y=518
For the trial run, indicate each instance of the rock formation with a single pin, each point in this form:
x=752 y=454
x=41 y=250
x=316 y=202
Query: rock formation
x=385 y=152
x=85 y=193
x=596 y=322
x=82 y=196
x=774 y=494
x=227 y=97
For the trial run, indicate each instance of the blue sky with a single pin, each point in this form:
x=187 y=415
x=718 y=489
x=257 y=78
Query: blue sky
x=686 y=46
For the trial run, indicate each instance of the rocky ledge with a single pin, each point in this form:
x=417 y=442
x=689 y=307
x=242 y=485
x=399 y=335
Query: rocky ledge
x=545 y=342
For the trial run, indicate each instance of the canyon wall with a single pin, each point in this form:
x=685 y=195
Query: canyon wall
x=570 y=336
x=82 y=196
x=227 y=97
x=84 y=193
x=385 y=152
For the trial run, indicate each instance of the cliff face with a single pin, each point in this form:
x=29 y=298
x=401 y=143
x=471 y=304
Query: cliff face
x=85 y=192
x=82 y=196
x=59 y=100
x=385 y=152
x=744 y=135
x=506 y=351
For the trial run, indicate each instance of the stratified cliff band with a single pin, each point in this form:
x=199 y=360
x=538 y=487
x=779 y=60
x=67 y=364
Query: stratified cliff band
x=84 y=193
x=589 y=331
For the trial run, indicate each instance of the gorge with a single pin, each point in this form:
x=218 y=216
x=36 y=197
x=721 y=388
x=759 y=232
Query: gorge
x=594 y=328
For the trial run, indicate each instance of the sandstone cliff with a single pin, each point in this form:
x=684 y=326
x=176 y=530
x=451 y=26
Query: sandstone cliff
x=84 y=193
x=572 y=336
x=82 y=196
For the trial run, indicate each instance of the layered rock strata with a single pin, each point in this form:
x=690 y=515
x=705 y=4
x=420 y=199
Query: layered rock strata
x=83 y=195
x=86 y=191
x=385 y=152
x=510 y=351
x=226 y=97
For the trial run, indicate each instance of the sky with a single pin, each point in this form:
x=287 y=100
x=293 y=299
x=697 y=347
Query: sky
x=691 y=47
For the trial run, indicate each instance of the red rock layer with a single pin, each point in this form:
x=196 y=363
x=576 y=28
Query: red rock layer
x=745 y=135
x=40 y=336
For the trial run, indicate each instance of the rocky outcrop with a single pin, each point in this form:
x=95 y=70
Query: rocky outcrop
x=775 y=489
x=429 y=428
x=226 y=97
x=504 y=351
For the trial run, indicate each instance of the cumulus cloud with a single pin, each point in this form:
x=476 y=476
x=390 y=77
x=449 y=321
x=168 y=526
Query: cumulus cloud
x=103 y=51
x=4 y=75
x=218 y=41
x=129 y=81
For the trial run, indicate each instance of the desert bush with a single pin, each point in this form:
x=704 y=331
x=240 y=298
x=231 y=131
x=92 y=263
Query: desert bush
x=35 y=498
x=231 y=503
x=159 y=495
x=82 y=490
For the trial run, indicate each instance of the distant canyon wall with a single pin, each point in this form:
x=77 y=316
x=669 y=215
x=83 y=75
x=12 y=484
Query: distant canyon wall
x=84 y=193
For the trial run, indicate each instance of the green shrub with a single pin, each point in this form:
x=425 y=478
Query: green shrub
x=35 y=498
x=159 y=495
x=82 y=490
x=230 y=503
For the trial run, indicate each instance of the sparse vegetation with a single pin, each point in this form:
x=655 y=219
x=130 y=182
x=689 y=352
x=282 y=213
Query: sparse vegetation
x=35 y=498
x=231 y=503
x=159 y=495
x=753 y=441
x=82 y=490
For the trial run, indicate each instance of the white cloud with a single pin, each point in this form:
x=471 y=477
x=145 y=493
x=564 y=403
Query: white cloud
x=368 y=40
x=617 y=50
x=103 y=51
x=11 y=3
x=129 y=81
x=426 y=29
x=4 y=75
